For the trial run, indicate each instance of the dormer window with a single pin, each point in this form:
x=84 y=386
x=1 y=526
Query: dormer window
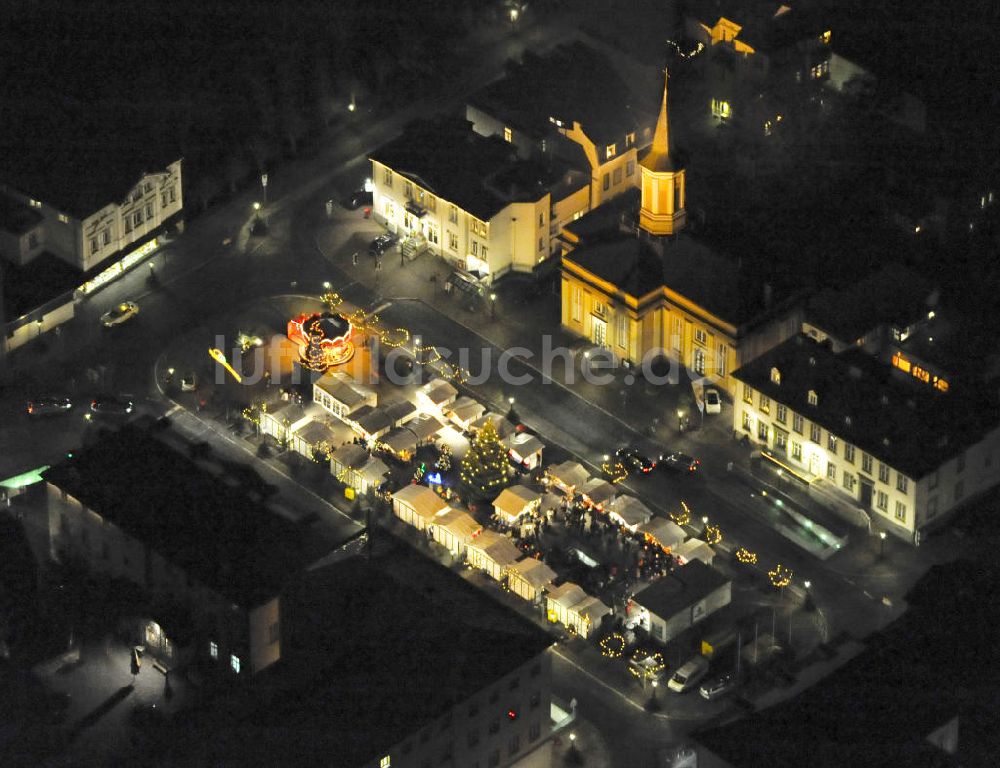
x=612 y=150
x=775 y=376
x=508 y=134
x=847 y=421
x=813 y=397
x=630 y=139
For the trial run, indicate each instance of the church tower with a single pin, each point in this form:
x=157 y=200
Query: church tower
x=662 y=211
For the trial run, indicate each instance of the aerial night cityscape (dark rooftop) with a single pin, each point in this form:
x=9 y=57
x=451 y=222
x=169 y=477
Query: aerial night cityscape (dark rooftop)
x=502 y=384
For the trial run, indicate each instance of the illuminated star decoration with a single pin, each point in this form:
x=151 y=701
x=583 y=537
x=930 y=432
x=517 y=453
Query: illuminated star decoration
x=713 y=534
x=745 y=556
x=780 y=576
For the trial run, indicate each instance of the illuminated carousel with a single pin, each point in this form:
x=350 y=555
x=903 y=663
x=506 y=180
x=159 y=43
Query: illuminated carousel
x=323 y=339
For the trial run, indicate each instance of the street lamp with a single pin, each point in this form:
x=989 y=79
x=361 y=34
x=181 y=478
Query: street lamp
x=263 y=184
x=881 y=544
x=493 y=306
x=680 y=420
x=326 y=285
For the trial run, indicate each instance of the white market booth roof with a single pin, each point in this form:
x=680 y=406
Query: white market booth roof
x=568 y=476
x=527 y=578
x=464 y=411
x=570 y=605
x=437 y=393
x=629 y=511
x=516 y=501
x=525 y=449
x=454 y=529
x=503 y=425
x=694 y=549
x=597 y=492
x=663 y=532
x=418 y=505
x=492 y=552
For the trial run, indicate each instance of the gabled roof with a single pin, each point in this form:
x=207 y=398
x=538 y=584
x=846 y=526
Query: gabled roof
x=314 y=432
x=513 y=500
x=343 y=388
x=767 y=25
x=351 y=455
x=497 y=547
x=422 y=499
x=567 y=594
x=630 y=510
x=534 y=571
x=459 y=523
x=569 y=473
x=666 y=532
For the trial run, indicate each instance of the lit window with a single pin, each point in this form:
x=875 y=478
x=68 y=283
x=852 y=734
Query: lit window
x=64 y=218
x=630 y=139
x=234 y=663
x=721 y=109
x=611 y=150
x=35 y=203
x=700 y=336
x=508 y=134
x=813 y=397
x=747 y=394
x=385 y=762
x=775 y=376
x=825 y=37
x=765 y=404
x=747 y=421
x=831 y=443
x=213 y=650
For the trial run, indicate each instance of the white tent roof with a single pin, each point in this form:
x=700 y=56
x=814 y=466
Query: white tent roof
x=694 y=549
x=534 y=571
x=592 y=608
x=459 y=523
x=665 y=532
x=523 y=444
x=598 y=491
x=569 y=474
x=424 y=501
x=496 y=546
x=567 y=594
x=629 y=510
x=514 y=501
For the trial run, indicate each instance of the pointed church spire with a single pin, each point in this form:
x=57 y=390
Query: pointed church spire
x=658 y=157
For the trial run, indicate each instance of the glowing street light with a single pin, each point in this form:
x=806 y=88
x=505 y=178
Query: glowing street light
x=881 y=544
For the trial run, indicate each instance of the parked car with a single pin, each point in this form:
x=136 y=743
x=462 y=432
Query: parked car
x=381 y=244
x=111 y=405
x=679 y=462
x=713 y=402
x=633 y=459
x=718 y=686
x=689 y=674
x=49 y=406
x=356 y=199
x=119 y=314
x=189 y=382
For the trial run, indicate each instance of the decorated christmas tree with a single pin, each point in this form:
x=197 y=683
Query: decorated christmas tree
x=485 y=470
x=444 y=460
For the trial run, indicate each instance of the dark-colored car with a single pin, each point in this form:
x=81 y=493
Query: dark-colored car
x=679 y=462
x=633 y=459
x=111 y=405
x=49 y=406
x=718 y=686
x=356 y=199
x=381 y=244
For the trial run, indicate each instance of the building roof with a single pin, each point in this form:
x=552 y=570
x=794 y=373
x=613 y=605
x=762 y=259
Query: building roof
x=16 y=217
x=513 y=500
x=901 y=421
x=680 y=589
x=424 y=427
x=630 y=510
x=503 y=425
x=591 y=608
x=879 y=708
x=573 y=82
x=658 y=158
x=32 y=285
x=597 y=490
x=373 y=654
x=460 y=523
x=288 y=410
x=567 y=594
x=213 y=531
x=534 y=571
x=351 y=455
x=399 y=440
x=375 y=419
x=80 y=157
x=891 y=296
x=314 y=432
x=422 y=499
x=465 y=409
x=523 y=443
x=497 y=547
x=438 y=391
x=764 y=26
x=343 y=388
x=666 y=532
x=687 y=266
x=447 y=158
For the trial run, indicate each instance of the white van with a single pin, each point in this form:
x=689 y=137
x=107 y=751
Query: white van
x=689 y=674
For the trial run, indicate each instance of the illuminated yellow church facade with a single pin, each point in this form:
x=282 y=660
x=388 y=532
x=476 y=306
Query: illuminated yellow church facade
x=663 y=293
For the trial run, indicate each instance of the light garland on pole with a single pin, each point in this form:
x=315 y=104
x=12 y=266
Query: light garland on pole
x=745 y=556
x=780 y=576
x=613 y=646
x=713 y=534
x=616 y=472
x=683 y=517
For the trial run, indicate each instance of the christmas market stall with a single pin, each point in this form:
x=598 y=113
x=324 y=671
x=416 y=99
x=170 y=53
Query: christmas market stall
x=400 y=442
x=661 y=532
x=628 y=512
x=493 y=553
x=340 y=395
x=597 y=493
x=436 y=395
x=311 y=438
x=454 y=529
x=524 y=449
x=352 y=465
x=464 y=411
x=529 y=578
x=504 y=427
x=373 y=423
x=515 y=502
x=693 y=549
x=418 y=505
x=568 y=604
x=568 y=476
x=279 y=419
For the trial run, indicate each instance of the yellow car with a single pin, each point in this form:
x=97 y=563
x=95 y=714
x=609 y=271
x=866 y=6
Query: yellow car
x=122 y=313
